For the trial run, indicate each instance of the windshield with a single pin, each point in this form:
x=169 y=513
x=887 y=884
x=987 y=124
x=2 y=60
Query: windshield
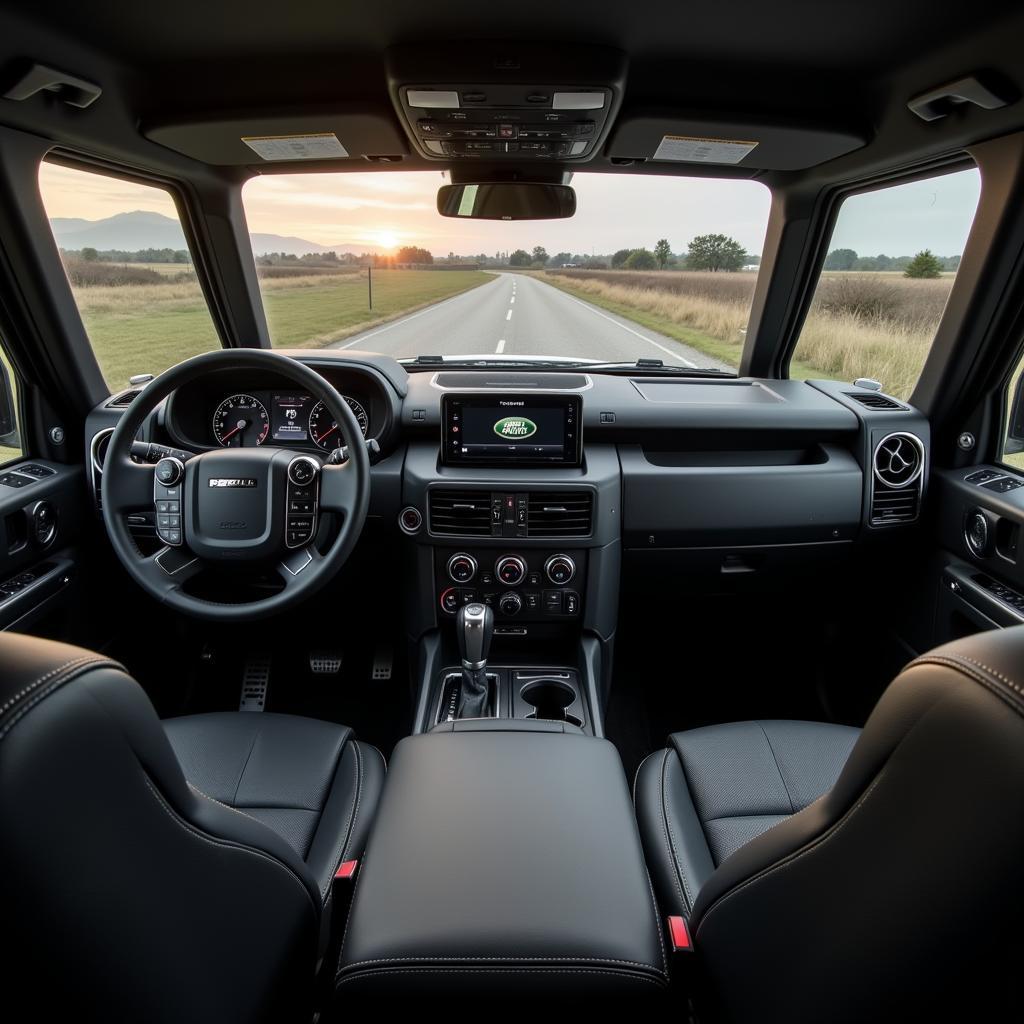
x=652 y=268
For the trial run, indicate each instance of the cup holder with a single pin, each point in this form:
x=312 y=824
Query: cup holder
x=549 y=699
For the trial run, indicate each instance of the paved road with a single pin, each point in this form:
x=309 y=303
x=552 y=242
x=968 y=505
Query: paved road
x=516 y=315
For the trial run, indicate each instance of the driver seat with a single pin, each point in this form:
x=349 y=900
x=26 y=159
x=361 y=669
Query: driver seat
x=167 y=871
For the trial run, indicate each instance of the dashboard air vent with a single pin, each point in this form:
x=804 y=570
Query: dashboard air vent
x=875 y=401
x=899 y=506
x=123 y=400
x=460 y=513
x=560 y=514
x=898 y=460
x=898 y=468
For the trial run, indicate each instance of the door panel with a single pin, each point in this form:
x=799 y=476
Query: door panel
x=41 y=508
x=979 y=522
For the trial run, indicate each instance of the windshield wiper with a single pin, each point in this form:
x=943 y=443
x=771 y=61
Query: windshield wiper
x=641 y=365
x=656 y=366
x=449 y=363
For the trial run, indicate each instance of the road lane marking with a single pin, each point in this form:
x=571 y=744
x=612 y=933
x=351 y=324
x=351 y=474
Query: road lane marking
x=642 y=337
x=405 y=319
x=513 y=299
x=501 y=347
x=508 y=315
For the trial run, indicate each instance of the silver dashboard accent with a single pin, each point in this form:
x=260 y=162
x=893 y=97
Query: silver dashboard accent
x=904 y=455
x=512 y=389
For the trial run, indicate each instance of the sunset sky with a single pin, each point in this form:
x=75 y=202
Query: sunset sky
x=385 y=210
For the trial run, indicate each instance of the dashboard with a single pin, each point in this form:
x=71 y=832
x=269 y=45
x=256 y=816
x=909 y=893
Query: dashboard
x=533 y=491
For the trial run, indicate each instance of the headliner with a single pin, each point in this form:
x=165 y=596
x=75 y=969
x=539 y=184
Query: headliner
x=844 y=62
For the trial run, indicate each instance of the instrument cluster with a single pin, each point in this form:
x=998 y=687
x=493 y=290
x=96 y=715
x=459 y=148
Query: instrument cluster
x=291 y=419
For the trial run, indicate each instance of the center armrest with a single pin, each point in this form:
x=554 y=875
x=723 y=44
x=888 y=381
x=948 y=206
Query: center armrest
x=509 y=856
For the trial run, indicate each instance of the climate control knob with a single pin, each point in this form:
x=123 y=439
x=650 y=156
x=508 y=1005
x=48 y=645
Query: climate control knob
x=510 y=604
x=461 y=567
x=510 y=570
x=560 y=569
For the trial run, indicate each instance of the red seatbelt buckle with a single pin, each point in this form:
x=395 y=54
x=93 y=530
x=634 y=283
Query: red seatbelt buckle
x=679 y=935
x=346 y=871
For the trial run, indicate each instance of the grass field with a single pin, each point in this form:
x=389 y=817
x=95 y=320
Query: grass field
x=147 y=328
x=860 y=325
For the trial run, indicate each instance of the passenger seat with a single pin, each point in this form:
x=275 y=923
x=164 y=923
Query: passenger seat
x=832 y=874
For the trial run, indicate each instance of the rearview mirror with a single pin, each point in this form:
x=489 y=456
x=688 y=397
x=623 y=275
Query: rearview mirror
x=506 y=200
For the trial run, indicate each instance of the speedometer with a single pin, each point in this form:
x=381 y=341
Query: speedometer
x=241 y=421
x=323 y=428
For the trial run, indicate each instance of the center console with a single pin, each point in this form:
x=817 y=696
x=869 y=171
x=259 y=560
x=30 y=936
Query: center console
x=528 y=875
x=507 y=510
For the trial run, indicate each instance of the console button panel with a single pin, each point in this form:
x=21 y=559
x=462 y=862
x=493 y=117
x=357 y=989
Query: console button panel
x=521 y=586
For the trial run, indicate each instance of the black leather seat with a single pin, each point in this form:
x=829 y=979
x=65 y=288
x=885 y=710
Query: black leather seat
x=832 y=874
x=167 y=871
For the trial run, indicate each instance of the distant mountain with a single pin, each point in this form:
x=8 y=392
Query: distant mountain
x=142 y=229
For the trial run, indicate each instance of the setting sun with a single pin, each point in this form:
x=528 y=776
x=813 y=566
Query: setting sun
x=385 y=239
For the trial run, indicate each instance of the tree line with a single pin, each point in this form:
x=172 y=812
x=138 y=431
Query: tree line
x=923 y=264
x=713 y=252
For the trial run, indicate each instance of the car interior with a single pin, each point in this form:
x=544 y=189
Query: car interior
x=486 y=650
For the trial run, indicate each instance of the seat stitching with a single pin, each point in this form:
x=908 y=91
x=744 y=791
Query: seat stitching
x=224 y=844
x=245 y=764
x=227 y=807
x=955 y=661
x=791 y=858
x=469 y=960
x=778 y=768
x=325 y=891
x=670 y=841
x=355 y=809
x=516 y=971
x=21 y=693
x=71 y=669
x=740 y=817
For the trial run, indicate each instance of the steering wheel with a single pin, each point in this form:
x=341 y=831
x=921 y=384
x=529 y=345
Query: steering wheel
x=236 y=506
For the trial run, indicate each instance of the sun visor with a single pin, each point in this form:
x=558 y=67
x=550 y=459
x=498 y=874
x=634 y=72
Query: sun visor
x=666 y=138
x=273 y=141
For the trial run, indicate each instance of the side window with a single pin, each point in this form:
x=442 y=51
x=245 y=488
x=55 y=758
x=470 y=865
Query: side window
x=130 y=269
x=10 y=435
x=891 y=262
x=1013 y=436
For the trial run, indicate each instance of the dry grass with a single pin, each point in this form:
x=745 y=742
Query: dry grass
x=860 y=325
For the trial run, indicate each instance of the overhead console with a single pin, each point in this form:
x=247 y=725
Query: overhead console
x=482 y=102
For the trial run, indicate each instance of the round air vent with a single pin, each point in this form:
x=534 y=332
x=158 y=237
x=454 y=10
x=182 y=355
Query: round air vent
x=899 y=460
x=100 y=443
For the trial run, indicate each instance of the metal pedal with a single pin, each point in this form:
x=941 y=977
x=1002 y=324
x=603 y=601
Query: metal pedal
x=255 y=681
x=325 y=663
x=383 y=659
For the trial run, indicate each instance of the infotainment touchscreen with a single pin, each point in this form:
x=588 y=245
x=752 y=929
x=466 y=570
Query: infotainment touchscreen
x=512 y=429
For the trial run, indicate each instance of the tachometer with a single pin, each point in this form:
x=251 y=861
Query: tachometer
x=323 y=428
x=241 y=421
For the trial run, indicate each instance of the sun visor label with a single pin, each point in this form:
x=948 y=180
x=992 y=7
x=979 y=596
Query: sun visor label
x=320 y=146
x=691 y=149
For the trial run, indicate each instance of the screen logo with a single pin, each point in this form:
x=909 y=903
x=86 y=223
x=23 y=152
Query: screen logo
x=515 y=427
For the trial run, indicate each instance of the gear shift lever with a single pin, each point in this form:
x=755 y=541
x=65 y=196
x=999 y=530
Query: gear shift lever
x=474 y=626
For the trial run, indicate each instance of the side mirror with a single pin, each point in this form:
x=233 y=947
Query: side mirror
x=1015 y=428
x=506 y=200
x=8 y=420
